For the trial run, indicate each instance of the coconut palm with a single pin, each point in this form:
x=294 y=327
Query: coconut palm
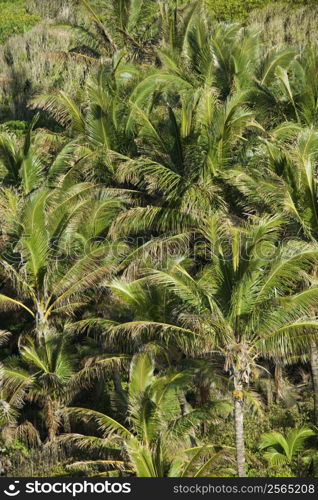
x=9 y=401
x=288 y=89
x=240 y=305
x=209 y=60
x=49 y=259
x=140 y=27
x=124 y=24
x=288 y=181
x=20 y=165
x=11 y=405
x=158 y=438
x=43 y=375
x=38 y=159
x=183 y=153
x=99 y=126
x=187 y=133
x=171 y=224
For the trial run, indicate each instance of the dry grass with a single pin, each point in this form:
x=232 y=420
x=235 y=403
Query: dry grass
x=33 y=62
x=280 y=24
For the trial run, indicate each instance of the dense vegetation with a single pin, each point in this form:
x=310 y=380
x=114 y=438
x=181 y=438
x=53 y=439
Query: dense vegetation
x=15 y=19
x=158 y=240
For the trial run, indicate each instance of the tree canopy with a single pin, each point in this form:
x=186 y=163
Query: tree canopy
x=158 y=240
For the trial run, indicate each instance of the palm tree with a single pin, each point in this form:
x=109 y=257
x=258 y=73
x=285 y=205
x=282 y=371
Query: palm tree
x=43 y=374
x=98 y=127
x=288 y=88
x=38 y=159
x=146 y=226
x=186 y=131
x=207 y=60
x=138 y=27
x=49 y=372
x=180 y=132
x=124 y=24
x=49 y=259
x=158 y=440
x=182 y=155
x=288 y=182
x=282 y=450
x=240 y=305
x=20 y=166
x=11 y=402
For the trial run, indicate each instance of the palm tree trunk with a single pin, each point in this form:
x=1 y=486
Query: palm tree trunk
x=314 y=372
x=269 y=392
x=117 y=381
x=184 y=407
x=278 y=380
x=239 y=430
x=204 y=391
x=51 y=418
x=41 y=325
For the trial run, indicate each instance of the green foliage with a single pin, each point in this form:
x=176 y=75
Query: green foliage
x=159 y=443
x=159 y=240
x=15 y=19
x=290 y=450
x=239 y=10
x=18 y=127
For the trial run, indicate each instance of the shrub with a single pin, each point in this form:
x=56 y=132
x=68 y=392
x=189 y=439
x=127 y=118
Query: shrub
x=239 y=10
x=15 y=19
